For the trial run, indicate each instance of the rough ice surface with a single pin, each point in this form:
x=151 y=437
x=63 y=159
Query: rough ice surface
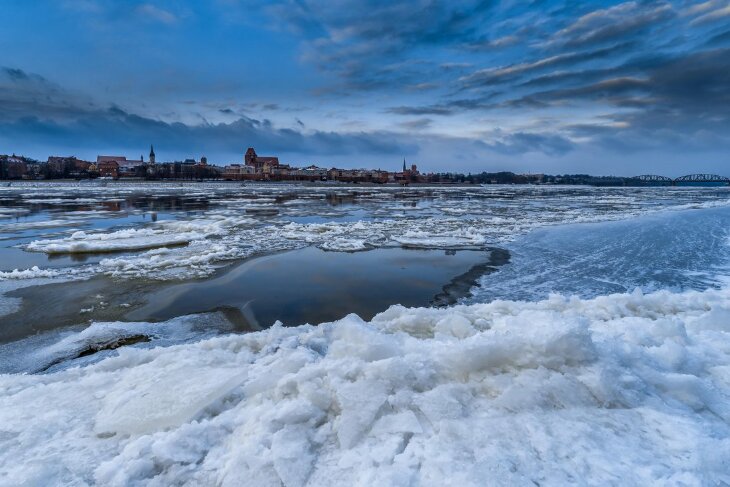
x=626 y=389
x=83 y=345
x=231 y=221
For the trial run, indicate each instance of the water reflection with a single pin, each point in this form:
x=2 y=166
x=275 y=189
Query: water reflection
x=312 y=286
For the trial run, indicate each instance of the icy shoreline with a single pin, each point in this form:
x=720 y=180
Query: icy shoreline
x=626 y=389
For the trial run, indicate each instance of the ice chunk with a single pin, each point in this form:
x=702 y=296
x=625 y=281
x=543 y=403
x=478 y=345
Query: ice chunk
x=153 y=401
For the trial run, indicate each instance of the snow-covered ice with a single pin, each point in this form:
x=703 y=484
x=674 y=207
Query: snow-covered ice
x=626 y=389
x=160 y=234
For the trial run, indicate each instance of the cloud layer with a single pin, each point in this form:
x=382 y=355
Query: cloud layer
x=534 y=84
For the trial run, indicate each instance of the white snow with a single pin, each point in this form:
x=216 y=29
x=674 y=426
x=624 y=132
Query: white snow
x=32 y=273
x=625 y=389
x=82 y=242
x=340 y=244
x=469 y=237
x=160 y=234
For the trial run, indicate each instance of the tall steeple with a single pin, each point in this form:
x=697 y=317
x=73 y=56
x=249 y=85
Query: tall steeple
x=152 y=155
x=404 y=164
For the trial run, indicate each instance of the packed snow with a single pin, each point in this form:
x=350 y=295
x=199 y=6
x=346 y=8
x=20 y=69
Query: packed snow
x=626 y=389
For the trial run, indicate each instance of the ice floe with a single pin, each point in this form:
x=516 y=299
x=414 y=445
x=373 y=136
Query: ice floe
x=161 y=234
x=233 y=221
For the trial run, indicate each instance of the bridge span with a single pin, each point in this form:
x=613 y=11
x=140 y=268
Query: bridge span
x=689 y=178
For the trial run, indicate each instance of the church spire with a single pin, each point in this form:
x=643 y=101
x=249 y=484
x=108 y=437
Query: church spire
x=152 y=154
x=404 y=164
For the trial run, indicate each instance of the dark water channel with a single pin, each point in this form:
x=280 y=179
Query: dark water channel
x=301 y=286
x=313 y=286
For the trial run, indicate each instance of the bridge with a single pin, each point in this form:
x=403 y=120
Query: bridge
x=653 y=178
x=689 y=178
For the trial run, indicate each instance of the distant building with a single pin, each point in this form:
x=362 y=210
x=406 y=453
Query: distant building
x=108 y=168
x=64 y=167
x=126 y=167
x=533 y=178
x=258 y=162
x=203 y=161
x=13 y=167
x=235 y=172
x=152 y=155
x=117 y=159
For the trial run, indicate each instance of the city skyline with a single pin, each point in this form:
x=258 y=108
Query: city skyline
x=600 y=87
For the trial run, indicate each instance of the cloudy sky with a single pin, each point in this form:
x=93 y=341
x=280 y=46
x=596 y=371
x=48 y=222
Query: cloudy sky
x=542 y=86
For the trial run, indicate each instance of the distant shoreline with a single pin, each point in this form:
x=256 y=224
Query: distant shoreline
x=97 y=181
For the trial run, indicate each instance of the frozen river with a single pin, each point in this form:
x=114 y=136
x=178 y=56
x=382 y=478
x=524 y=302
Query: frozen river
x=590 y=324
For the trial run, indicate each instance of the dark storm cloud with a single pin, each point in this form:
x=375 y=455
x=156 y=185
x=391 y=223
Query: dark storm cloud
x=635 y=66
x=426 y=110
x=492 y=76
x=24 y=94
x=608 y=90
x=719 y=39
x=115 y=127
x=685 y=87
x=14 y=74
x=393 y=25
x=366 y=43
x=449 y=107
x=353 y=37
x=51 y=115
x=684 y=104
x=32 y=107
x=647 y=85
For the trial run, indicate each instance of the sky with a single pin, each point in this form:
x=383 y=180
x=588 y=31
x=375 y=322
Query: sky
x=606 y=88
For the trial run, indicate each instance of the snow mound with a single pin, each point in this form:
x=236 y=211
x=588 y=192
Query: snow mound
x=621 y=389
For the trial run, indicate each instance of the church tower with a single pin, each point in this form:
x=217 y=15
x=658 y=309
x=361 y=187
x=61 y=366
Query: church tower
x=404 y=164
x=152 y=155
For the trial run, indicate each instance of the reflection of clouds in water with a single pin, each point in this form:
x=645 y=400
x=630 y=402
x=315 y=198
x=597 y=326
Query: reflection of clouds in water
x=310 y=285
